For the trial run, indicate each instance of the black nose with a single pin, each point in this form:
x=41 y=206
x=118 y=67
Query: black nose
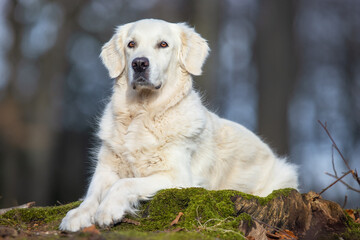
x=140 y=64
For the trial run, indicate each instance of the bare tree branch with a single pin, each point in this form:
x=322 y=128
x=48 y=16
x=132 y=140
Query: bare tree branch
x=345 y=201
x=338 y=179
x=334 y=144
x=346 y=184
x=332 y=160
x=354 y=173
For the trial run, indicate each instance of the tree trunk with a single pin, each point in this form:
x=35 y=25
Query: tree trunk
x=274 y=53
x=308 y=216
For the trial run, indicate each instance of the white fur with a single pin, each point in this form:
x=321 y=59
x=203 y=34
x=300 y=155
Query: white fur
x=154 y=139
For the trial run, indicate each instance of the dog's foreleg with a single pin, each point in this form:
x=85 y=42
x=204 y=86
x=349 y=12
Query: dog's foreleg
x=83 y=216
x=124 y=195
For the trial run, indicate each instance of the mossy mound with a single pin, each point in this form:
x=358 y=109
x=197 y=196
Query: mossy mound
x=206 y=215
x=37 y=217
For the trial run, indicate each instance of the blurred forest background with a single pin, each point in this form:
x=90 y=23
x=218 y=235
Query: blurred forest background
x=276 y=66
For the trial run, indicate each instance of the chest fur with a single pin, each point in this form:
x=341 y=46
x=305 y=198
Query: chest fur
x=142 y=140
x=141 y=134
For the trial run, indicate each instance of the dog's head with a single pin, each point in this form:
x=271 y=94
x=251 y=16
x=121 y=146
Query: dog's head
x=147 y=51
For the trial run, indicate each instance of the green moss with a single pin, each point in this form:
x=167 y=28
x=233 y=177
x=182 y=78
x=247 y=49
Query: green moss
x=208 y=214
x=38 y=215
x=209 y=211
x=353 y=231
x=246 y=218
x=275 y=194
x=197 y=204
x=138 y=235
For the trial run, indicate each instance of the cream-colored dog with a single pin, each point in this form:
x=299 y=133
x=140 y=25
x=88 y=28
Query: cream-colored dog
x=157 y=134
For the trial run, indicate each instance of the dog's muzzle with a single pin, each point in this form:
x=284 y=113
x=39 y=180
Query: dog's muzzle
x=141 y=73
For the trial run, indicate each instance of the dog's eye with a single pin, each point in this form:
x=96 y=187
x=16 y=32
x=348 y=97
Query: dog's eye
x=131 y=44
x=163 y=44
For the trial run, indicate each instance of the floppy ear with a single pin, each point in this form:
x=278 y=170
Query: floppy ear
x=112 y=54
x=194 y=50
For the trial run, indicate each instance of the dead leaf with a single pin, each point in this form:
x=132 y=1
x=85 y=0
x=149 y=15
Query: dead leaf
x=131 y=221
x=91 y=229
x=351 y=213
x=250 y=238
x=176 y=220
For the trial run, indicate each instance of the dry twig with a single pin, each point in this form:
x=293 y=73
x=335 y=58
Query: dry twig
x=345 y=201
x=338 y=179
x=131 y=221
x=176 y=220
x=26 y=205
x=178 y=229
x=332 y=160
x=353 y=172
x=343 y=182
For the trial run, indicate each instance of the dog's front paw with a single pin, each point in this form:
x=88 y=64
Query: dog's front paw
x=77 y=219
x=109 y=214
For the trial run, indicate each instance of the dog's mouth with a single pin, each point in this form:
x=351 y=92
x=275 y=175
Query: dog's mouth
x=143 y=82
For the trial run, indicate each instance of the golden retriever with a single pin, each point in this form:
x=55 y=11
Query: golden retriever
x=157 y=134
